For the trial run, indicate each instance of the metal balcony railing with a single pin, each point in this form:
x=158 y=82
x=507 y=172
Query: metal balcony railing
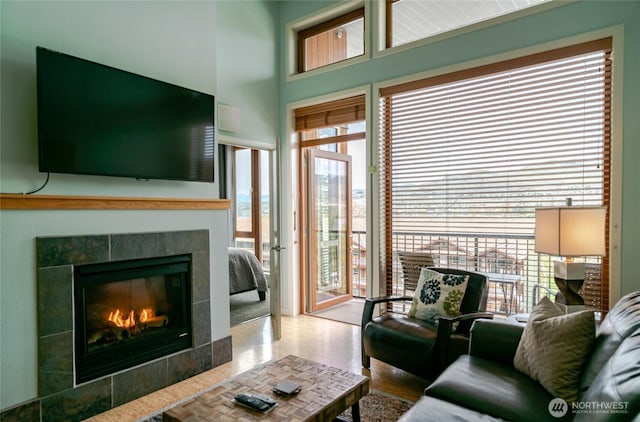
x=513 y=266
x=516 y=272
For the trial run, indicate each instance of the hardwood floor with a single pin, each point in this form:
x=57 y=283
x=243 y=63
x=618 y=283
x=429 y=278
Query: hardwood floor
x=330 y=342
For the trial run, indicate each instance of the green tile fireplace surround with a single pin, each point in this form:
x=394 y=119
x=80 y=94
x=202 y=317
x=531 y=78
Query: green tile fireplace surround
x=59 y=397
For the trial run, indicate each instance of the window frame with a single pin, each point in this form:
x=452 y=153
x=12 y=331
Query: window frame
x=256 y=229
x=325 y=25
x=316 y=17
x=384 y=36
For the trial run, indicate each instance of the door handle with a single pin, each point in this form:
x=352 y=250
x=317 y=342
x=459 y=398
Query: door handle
x=278 y=248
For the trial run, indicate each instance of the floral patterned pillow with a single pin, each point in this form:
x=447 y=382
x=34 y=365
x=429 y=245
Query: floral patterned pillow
x=438 y=295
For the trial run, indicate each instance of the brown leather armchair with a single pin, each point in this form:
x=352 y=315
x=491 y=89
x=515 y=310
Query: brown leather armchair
x=415 y=345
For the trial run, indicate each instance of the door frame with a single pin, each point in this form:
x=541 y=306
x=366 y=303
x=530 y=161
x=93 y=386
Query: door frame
x=293 y=189
x=275 y=222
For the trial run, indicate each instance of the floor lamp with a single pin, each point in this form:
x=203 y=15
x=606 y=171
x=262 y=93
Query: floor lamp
x=570 y=232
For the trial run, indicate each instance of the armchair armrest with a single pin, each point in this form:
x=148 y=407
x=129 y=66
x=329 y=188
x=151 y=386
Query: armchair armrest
x=445 y=324
x=445 y=328
x=370 y=303
x=495 y=340
x=367 y=316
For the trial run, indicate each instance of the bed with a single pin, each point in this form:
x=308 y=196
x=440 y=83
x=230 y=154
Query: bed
x=246 y=273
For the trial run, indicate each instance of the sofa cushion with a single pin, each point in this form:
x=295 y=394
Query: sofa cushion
x=495 y=389
x=437 y=295
x=554 y=348
x=430 y=409
x=616 y=387
x=622 y=320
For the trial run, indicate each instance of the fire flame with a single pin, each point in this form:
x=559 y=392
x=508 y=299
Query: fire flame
x=117 y=318
x=146 y=314
x=121 y=321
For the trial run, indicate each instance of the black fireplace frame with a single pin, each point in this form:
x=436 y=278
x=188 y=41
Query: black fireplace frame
x=93 y=364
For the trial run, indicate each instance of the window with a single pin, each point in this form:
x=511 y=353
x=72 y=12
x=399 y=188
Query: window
x=251 y=201
x=468 y=156
x=331 y=41
x=409 y=20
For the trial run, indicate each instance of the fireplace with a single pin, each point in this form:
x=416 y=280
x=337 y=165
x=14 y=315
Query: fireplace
x=172 y=268
x=130 y=312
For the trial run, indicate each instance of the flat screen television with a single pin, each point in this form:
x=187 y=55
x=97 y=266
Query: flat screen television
x=98 y=120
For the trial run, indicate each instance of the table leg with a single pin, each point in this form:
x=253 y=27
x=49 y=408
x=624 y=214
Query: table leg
x=514 y=299
x=510 y=297
x=355 y=412
x=506 y=301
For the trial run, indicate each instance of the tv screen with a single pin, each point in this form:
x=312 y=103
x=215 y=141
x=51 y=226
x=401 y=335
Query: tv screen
x=98 y=120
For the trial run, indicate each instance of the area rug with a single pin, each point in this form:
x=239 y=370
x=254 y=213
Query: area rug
x=376 y=406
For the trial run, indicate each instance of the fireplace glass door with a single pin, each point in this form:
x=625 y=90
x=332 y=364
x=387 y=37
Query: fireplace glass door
x=130 y=312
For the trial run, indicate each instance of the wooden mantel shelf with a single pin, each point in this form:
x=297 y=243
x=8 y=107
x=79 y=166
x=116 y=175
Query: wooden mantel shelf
x=65 y=202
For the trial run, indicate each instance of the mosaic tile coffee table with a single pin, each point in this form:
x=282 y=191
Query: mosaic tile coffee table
x=326 y=392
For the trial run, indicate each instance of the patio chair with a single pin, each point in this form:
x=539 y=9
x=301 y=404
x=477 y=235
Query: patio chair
x=412 y=264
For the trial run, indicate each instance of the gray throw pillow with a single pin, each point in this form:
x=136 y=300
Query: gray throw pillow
x=554 y=348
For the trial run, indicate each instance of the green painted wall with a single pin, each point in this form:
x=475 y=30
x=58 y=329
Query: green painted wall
x=569 y=20
x=247 y=69
x=169 y=41
x=174 y=41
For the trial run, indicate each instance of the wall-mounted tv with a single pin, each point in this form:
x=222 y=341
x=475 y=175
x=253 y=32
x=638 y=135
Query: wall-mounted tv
x=98 y=120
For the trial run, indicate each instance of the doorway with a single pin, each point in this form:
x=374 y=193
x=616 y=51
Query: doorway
x=333 y=207
x=249 y=254
x=332 y=174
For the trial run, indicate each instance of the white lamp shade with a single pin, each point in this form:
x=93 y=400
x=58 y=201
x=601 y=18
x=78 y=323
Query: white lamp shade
x=571 y=231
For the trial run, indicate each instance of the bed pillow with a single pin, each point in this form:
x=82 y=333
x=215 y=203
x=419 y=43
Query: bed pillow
x=554 y=348
x=437 y=295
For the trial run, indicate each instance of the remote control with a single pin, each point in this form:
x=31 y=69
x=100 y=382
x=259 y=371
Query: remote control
x=252 y=402
x=264 y=398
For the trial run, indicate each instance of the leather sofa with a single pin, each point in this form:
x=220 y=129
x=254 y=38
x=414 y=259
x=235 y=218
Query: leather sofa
x=484 y=385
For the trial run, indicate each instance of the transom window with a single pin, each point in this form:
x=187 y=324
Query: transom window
x=410 y=20
x=331 y=41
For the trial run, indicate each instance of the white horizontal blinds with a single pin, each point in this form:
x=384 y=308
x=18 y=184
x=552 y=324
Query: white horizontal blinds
x=476 y=155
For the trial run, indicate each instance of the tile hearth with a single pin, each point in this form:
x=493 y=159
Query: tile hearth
x=60 y=398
